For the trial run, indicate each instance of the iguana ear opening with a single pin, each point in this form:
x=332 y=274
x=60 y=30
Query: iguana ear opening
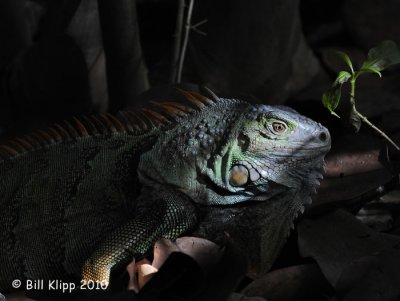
x=239 y=176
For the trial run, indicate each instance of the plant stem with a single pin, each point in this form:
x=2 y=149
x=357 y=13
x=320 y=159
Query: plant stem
x=353 y=91
x=185 y=41
x=178 y=40
x=365 y=119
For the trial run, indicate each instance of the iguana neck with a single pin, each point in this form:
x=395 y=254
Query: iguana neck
x=247 y=226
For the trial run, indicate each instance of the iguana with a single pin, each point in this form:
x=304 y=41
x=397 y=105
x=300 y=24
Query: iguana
x=84 y=197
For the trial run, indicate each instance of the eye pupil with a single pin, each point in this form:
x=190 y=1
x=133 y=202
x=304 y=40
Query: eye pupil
x=278 y=127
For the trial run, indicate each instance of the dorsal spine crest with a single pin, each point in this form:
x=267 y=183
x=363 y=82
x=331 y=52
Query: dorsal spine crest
x=135 y=122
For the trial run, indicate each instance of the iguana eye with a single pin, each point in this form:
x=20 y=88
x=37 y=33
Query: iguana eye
x=279 y=127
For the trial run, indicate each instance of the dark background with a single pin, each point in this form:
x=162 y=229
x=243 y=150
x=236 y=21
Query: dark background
x=53 y=58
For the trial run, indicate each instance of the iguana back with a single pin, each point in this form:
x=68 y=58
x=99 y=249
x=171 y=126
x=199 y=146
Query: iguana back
x=59 y=198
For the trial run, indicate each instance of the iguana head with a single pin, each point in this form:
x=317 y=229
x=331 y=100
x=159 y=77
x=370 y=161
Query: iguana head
x=231 y=152
x=263 y=151
x=275 y=149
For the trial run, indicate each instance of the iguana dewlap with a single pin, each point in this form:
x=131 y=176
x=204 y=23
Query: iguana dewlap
x=84 y=197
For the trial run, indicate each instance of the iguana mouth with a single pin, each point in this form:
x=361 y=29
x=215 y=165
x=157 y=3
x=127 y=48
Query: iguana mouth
x=310 y=152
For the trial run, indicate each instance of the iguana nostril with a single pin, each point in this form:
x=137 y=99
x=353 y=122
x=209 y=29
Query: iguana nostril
x=323 y=136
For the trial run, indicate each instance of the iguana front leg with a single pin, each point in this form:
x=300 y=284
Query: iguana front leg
x=162 y=213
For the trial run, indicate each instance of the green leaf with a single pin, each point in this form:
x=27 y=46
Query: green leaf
x=368 y=70
x=342 y=77
x=331 y=98
x=379 y=58
x=346 y=59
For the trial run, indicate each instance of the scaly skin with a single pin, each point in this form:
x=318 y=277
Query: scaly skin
x=105 y=191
